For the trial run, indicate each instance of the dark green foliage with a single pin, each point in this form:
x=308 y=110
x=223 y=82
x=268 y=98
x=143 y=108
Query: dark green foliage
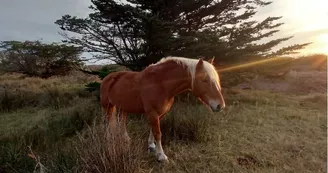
x=137 y=33
x=14 y=157
x=102 y=73
x=92 y=86
x=34 y=58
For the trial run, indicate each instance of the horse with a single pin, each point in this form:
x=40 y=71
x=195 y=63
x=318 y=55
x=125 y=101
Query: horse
x=151 y=92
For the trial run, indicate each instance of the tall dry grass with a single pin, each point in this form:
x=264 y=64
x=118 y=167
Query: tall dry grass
x=17 y=91
x=100 y=150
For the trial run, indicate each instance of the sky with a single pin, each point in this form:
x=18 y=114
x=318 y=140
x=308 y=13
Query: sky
x=306 y=20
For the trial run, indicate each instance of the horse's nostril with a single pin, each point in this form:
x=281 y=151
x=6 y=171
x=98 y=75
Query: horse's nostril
x=220 y=108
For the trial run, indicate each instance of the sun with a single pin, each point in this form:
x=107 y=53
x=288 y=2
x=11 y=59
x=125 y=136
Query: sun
x=319 y=45
x=324 y=39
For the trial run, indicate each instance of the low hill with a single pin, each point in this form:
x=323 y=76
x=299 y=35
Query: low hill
x=304 y=74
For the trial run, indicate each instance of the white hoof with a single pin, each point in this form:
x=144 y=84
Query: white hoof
x=162 y=157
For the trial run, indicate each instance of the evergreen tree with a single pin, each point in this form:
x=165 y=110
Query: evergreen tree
x=140 y=32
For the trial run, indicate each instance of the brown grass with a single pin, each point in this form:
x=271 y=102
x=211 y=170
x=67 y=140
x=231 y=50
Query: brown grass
x=274 y=68
x=18 y=91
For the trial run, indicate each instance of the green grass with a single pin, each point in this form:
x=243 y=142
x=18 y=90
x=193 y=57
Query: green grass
x=259 y=132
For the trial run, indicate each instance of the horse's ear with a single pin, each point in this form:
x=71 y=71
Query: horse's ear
x=211 y=60
x=200 y=62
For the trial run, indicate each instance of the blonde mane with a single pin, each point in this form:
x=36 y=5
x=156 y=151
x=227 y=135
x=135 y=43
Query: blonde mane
x=191 y=66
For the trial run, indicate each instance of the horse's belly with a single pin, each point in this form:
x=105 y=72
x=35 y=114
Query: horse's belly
x=127 y=99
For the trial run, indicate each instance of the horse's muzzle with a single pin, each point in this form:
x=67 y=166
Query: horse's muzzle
x=218 y=108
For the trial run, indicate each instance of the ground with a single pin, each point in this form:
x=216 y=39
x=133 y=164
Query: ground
x=272 y=123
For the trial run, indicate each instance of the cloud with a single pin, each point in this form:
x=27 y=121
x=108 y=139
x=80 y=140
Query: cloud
x=34 y=19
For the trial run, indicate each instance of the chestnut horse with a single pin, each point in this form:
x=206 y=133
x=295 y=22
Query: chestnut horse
x=151 y=92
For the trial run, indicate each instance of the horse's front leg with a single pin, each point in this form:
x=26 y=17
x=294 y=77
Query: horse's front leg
x=156 y=130
x=151 y=142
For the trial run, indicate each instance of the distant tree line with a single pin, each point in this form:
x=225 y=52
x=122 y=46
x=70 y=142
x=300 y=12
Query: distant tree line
x=34 y=58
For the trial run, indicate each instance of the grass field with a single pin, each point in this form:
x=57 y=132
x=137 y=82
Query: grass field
x=54 y=125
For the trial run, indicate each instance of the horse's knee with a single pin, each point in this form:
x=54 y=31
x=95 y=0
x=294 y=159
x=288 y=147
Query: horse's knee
x=156 y=131
x=158 y=135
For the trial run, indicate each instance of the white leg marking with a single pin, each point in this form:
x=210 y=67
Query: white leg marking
x=159 y=152
x=151 y=142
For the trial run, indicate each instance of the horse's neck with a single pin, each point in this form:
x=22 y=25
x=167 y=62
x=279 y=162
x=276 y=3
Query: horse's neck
x=176 y=78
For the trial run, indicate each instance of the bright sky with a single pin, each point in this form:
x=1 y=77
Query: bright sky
x=306 y=20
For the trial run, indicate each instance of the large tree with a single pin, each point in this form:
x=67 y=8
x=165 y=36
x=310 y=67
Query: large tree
x=34 y=58
x=137 y=33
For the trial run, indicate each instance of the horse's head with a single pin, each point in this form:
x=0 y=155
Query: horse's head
x=206 y=85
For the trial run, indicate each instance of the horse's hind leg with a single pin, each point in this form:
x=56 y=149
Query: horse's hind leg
x=123 y=116
x=110 y=113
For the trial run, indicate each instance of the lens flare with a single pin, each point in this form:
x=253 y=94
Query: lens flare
x=240 y=66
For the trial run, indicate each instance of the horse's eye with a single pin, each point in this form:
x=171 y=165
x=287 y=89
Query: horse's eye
x=205 y=80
